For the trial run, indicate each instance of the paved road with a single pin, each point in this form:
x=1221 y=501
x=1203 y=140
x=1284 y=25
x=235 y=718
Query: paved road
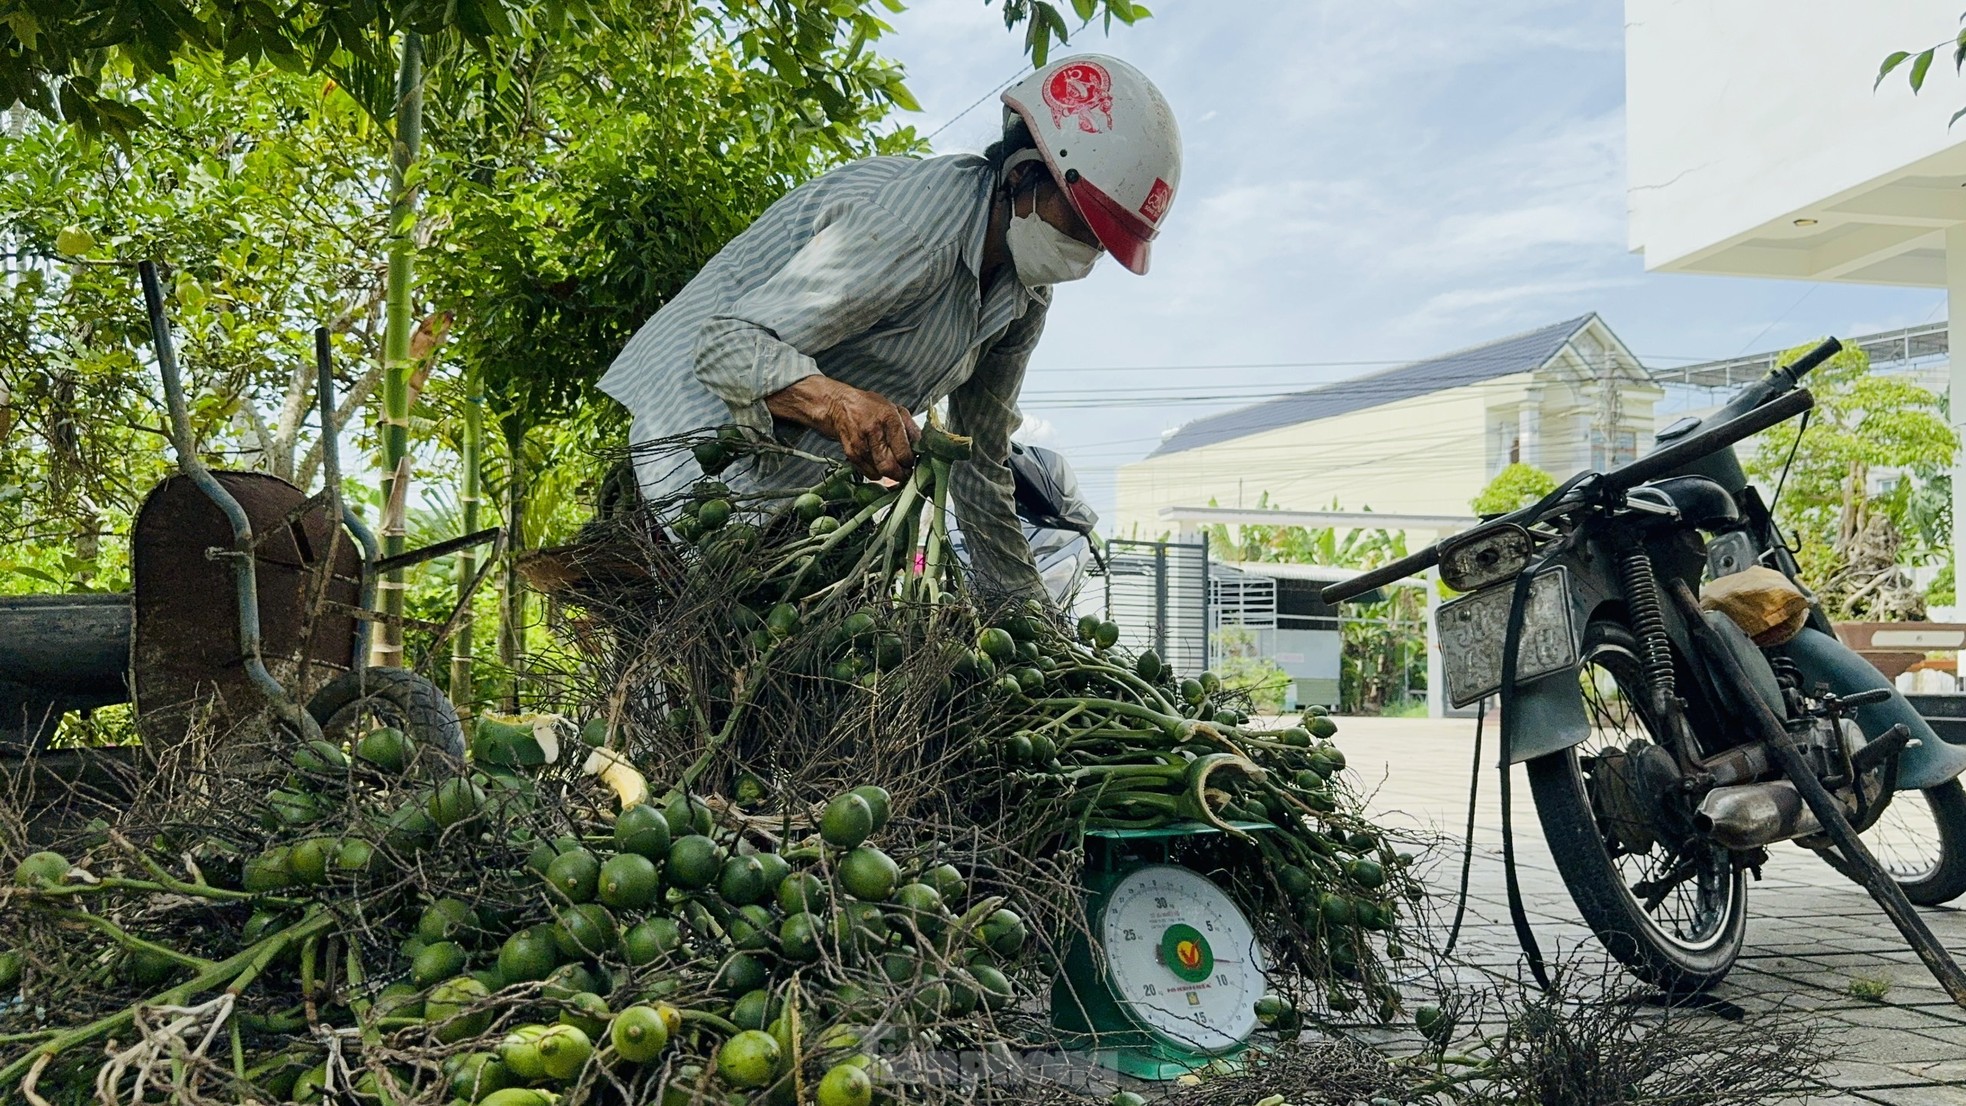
x=1810 y=932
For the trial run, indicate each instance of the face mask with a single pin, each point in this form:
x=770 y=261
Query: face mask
x=1043 y=254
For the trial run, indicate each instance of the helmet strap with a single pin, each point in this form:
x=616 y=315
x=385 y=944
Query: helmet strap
x=1021 y=157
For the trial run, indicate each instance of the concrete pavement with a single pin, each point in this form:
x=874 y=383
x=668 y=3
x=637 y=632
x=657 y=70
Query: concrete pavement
x=1810 y=931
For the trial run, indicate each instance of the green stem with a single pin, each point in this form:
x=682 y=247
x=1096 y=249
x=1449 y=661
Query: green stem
x=133 y=943
x=220 y=974
x=938 y=531
x=1129 y=772
x=715 y=741
x=706 y=1018
x=1179 y=728
x=854 y=522
x=907 y=509
x=471 y=495
x=164 y=886
x=1131 y=680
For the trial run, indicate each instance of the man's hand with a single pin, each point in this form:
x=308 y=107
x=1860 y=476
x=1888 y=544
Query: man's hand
x=877 y=435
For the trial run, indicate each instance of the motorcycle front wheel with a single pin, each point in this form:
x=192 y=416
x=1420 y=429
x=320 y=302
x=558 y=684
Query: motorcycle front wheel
x=1673 y=916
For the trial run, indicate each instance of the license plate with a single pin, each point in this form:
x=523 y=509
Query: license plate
x=1473 y=626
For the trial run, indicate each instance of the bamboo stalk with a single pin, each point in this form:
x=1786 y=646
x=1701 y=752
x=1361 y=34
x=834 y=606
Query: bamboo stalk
x=470 y=497
x=396 y=362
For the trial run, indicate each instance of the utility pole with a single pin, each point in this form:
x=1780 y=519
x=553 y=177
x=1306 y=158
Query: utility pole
x=1611 y=406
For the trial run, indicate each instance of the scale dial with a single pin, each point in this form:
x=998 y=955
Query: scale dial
x=1181 y=959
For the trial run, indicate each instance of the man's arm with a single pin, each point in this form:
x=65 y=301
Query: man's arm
x=985 y=408
x=758 y=355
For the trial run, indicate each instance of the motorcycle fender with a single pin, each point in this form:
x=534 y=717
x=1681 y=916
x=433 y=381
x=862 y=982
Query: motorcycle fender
x=1549 y=718
x=1825 y=660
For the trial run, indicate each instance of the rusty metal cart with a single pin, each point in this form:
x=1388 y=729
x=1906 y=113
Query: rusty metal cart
x=299 y=572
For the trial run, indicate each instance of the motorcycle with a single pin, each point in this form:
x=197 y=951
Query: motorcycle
x=1057 y=521
x=1666 y=746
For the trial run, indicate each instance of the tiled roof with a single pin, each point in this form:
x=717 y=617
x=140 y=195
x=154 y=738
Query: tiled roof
x=1523 y=352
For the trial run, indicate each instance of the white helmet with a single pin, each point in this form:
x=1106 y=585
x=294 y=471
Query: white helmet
x=1109 y=139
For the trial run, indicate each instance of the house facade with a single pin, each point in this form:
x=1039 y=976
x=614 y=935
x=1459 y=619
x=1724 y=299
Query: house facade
x=1420 y=439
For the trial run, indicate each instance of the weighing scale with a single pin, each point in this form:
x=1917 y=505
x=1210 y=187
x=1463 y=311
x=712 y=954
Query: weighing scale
x=1182 y=968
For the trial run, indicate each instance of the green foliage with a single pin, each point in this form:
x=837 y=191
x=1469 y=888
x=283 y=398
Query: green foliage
x=1921 y=63
x=1384 y=646
x=1515 y=487
x=1242 y=668
x=76 y=60
x=561 y=241
x=259 y=191
x=1943 y=591
x=1863 y=421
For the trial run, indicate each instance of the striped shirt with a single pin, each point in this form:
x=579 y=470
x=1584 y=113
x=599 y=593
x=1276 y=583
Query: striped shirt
x=870 y=275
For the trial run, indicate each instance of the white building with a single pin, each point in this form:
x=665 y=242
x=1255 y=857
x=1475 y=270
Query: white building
x=1420 y=440
x=1758 y=147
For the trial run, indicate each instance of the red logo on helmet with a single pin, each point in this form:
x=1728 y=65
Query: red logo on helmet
x=1157 y=200
x=1082 y=90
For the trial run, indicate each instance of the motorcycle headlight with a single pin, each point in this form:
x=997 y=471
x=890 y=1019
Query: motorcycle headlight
x=1490 y=555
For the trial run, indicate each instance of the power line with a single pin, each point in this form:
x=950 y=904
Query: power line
x=979 y=102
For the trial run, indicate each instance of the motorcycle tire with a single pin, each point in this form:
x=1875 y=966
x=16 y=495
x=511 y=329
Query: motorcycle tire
x=1944 y=879
x=1599 y=889
x=390 y=696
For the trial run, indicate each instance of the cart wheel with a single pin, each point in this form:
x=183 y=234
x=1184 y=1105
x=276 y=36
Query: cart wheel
x=357 y=701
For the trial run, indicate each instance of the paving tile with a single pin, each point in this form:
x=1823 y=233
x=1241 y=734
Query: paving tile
x=1810 y=931
x=1918 y=1096
x=1918 y=1019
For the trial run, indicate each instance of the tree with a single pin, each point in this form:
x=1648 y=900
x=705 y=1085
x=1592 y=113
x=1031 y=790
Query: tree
x=1865 y=425
x=262 y=191
x=79 y=60
x=1515 y=487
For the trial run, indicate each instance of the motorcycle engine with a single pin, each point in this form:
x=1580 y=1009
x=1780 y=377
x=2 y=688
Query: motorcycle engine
x=1635 y=793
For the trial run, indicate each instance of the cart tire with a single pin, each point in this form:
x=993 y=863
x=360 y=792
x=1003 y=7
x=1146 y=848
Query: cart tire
x=399 y=697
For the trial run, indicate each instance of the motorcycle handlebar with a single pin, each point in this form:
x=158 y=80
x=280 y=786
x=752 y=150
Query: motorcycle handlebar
x=1830 y=348
x=1711 y=440
x=1649 y=467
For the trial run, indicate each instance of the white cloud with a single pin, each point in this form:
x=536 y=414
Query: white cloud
x=1036 y=431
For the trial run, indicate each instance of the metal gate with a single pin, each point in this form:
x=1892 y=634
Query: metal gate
x=1157 y=592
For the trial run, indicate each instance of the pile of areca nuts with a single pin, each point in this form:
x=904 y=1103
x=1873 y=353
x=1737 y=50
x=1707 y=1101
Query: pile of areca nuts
x=818 y=823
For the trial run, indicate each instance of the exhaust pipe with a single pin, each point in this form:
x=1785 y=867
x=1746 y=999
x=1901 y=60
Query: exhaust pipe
x=1749 y=815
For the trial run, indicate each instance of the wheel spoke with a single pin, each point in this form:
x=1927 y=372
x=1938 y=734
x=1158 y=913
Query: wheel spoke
x=1683 y=888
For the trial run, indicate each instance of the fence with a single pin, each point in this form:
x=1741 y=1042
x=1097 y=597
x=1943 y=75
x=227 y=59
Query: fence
x=1158 y=594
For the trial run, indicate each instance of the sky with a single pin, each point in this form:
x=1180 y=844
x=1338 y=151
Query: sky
x=1365 y=183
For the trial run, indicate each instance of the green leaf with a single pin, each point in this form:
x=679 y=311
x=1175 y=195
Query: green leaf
x=903 y=99
x=1919 y=68
x=1085 y=9
x=242 y=45
x=1955 y=117
x=1896 y=59
x=895 y=6
x=1050 y=15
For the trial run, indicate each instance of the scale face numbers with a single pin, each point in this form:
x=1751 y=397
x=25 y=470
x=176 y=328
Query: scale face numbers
x=1181 y=958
